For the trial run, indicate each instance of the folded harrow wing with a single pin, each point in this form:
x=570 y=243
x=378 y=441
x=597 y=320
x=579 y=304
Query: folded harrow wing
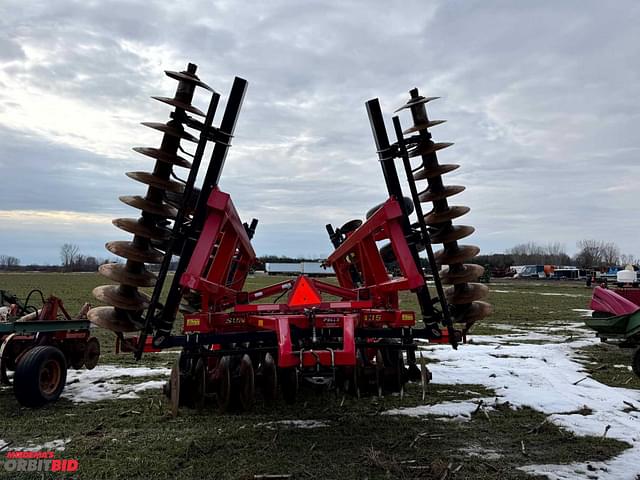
x=353 y=335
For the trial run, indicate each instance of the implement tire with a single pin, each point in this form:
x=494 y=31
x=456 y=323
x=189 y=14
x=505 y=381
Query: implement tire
x=40 y=376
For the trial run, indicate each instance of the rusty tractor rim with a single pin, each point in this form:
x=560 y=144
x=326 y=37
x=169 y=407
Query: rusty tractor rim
x=50 y=376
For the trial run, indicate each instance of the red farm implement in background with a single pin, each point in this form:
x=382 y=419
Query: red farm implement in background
x=353 y=336
x=39 y=344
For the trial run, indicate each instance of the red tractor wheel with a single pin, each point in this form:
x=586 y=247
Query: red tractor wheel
x=40 y=376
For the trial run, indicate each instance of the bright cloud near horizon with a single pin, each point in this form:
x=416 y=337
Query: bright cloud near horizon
x=542 y=100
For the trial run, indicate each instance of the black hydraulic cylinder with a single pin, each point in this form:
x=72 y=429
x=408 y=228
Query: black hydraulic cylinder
x=212 y=177
x=386 y=156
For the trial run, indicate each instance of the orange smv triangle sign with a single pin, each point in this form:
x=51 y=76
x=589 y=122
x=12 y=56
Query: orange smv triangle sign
x=304 y=293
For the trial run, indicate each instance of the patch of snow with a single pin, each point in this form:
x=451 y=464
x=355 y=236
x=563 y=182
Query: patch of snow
x=57 y=445
x=584 y=312
x=521 y=337
x=626 y=367
x=293 y=424
x=549 y=294
x=104 y=383
x=547 y=378
x=460 y=410
x=546 y=294
x=505 y=326
x=478 y=451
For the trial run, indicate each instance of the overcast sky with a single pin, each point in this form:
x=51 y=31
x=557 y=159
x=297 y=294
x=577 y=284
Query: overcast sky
x=542 y=100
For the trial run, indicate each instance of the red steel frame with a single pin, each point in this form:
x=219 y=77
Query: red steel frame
x=220 y=264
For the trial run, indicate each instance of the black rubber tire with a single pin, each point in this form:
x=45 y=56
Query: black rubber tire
x=27 y=379
x=407 y=202
x=635 y=362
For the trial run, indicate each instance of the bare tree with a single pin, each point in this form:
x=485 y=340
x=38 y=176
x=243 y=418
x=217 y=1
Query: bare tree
x=628 y=259
x=69 y=253
x=590 y=253
x=610 y=253
x=8 y=262
x=533 y=253
x=596 y=253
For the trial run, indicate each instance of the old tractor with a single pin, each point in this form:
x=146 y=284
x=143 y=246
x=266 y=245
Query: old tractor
x=351 y=335
x=39 y=344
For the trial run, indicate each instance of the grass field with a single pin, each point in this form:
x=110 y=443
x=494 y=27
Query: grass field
x=136 y=438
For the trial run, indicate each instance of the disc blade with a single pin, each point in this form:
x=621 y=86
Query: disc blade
x=223 y=384
x=461 y=295
x=148 y=206
x=429 y=195
x=170 y=130
x=185 y=77
x=427 y=148
x=174 y=388
x=415 y=101
x=435 y=218
x=137 y=227
x=181 y=105
x=128 y=250
x=118 y=273
x=163 y=156
x=155 y=181
x=469 y=273
x=433 y=172
x=111 y=319
x=451 y=233
x=423 y=126
x=459 y=255
x=246 y=388
x=113 y=295
x=476 y=311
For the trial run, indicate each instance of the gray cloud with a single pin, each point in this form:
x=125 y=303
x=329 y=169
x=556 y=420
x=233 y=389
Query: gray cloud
x=541 y=100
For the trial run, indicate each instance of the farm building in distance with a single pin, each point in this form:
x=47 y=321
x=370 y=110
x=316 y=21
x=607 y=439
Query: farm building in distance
x=312 y=269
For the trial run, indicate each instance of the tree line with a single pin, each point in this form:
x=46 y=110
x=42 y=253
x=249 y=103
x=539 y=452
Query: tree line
x=596 y=254
x=591 y=254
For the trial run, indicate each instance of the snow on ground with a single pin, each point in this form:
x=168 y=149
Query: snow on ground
x=584 y=312
x=292 y=424
x=57 y=445
x=546 y=294
x=481 y=452
x=547 y=378
x=105 y=382
x=460 y=411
